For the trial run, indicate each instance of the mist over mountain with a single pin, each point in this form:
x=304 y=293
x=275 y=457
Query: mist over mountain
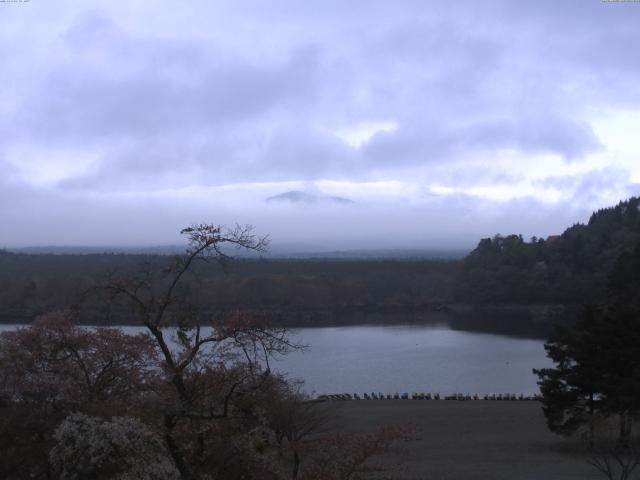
x=298 y=196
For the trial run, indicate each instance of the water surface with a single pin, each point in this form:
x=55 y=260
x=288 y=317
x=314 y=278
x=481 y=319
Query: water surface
x=422 y=358
x=414 y=358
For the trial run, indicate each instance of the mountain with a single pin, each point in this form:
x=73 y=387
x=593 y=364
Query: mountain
x=298 y=196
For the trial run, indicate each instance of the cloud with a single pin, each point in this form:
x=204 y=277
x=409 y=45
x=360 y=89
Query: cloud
x=86 y=104
x=593 y=188
x=435 y=143
x=104 y=102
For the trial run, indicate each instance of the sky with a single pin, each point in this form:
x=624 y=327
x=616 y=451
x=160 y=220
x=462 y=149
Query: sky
x=443 y=122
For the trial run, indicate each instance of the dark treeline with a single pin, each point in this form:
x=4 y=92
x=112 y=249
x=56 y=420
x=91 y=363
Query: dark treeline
x=571 y=268
x=299 y=291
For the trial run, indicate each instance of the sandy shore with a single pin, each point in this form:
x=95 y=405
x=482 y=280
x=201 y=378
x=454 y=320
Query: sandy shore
x=470 y=440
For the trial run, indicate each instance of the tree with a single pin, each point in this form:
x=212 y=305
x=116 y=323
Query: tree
x=202 y=390
x=624 y=281
x=293 y=417
x=211 y=374
x=57 y=364
x=597 y=372
x=121 y=448
x=53 y=368
x=613 y=460
x=597 y=360
x=570 y=391
x=198 y=400
x=225 y=414
x=343 y=455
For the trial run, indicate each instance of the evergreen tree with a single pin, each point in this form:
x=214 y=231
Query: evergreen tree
x=597 y=361
x=571 y=393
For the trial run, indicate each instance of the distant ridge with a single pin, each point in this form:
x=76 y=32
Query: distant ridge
x=298 y=196
x=276 y=252
x=376 y=254
x=99 y=250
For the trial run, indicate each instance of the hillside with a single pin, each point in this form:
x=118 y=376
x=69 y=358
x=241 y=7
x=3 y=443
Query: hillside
x=572 y=268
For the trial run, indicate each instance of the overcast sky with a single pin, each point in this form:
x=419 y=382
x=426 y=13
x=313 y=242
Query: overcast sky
x=444 y=122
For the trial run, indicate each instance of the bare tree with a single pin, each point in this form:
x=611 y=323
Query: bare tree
x=199 y=398
x=616 y=457
x=346 y=456
x=208 y=369
x=294 y=417
x=613 y=460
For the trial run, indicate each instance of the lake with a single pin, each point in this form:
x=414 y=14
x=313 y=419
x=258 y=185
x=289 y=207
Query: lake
x=421 y=358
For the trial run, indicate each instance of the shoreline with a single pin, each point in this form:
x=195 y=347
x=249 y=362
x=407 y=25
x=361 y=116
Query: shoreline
x=525 y=321
x=430 y=397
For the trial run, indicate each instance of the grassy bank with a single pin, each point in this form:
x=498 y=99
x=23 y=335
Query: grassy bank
x=469 y=441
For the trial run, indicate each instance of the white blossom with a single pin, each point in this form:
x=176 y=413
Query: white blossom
x=122 y=448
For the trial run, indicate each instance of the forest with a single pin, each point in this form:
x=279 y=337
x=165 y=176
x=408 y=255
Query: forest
x=571 y=268
x=298 y=291
x=502 y=275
